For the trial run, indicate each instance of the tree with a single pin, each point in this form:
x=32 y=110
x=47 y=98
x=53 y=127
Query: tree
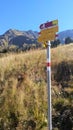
x=68 y=40
x=55 y=43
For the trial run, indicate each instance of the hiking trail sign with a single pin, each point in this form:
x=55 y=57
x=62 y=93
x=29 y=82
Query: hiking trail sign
x=48 y=31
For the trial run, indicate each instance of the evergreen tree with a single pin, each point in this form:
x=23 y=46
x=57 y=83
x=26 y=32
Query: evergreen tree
x=55 y=43
x=68 y=40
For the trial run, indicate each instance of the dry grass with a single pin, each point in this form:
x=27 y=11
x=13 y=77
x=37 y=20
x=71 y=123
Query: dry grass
x=62 y=53
x=30 y=91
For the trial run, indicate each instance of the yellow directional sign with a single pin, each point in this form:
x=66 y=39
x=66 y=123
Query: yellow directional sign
x=44 y=38
x=49 y=30
x=48 y=35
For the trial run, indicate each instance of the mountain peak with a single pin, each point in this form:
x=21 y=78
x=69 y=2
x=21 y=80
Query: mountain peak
x=17 y=37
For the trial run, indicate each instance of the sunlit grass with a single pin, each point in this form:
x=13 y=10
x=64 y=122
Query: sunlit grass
x=27 y=96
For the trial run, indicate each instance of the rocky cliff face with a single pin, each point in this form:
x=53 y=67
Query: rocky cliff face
x=18 y=38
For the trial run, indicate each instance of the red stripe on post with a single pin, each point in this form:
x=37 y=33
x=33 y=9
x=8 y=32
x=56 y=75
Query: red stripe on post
x=48 y=64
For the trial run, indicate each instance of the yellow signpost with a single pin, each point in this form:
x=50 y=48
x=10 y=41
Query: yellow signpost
x=47 y=34
x=46 y=37
x=49 y=30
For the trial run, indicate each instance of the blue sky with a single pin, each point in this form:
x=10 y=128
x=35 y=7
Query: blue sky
x=29 y=14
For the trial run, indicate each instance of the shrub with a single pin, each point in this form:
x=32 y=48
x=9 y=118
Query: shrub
x=66 y=120
x=63 y=73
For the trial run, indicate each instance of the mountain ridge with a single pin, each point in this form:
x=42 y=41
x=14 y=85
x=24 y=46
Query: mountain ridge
x=64 y=34
x=19 y=38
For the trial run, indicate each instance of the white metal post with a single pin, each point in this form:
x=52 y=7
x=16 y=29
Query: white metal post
x=49 y=85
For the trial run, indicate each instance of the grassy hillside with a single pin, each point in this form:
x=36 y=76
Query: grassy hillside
x=23 y=89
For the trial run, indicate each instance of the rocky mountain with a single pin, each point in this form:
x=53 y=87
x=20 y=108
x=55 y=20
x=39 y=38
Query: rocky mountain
x=19 y=38
x=64 y=34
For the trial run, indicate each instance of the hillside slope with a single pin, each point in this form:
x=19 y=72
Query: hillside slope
x=23 y=88
x=20 y=38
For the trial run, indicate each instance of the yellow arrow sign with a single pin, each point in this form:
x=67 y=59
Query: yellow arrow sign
x=44 y=38
x=49 y=30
